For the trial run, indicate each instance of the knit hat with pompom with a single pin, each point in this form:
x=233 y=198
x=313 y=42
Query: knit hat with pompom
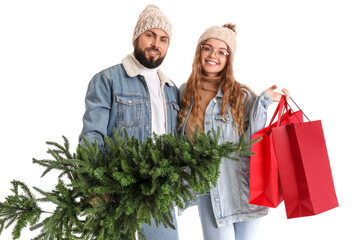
x=225 y=33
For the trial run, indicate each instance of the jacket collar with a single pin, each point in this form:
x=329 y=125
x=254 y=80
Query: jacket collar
x=220 y=93
x=132 y=70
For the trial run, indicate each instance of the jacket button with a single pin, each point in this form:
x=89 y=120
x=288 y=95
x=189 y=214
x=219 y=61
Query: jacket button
x=147 y=127
x=129 y=101
x=215 y=101
x=217 y=199
x=208 y=122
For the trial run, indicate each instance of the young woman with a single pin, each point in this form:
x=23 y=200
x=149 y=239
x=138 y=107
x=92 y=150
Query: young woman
x=212 y=98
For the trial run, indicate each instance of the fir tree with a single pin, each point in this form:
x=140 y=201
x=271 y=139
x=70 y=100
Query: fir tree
x=134 y=181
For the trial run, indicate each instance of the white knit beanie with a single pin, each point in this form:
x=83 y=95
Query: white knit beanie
x=151 y=17
x=223 y=33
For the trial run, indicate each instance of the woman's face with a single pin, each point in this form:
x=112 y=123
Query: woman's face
x=214 y=56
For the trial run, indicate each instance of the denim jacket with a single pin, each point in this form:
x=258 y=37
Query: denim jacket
x=118 y=97
x=230 y=196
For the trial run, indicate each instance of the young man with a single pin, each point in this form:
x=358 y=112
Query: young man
x=136 y=95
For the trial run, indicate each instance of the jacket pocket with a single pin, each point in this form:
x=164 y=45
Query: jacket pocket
x=227 y=131
x=128 y=109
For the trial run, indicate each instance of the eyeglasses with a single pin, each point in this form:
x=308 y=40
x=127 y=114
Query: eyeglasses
x=208 y=50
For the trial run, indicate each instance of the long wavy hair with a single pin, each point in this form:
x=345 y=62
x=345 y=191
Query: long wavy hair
x=234 y=92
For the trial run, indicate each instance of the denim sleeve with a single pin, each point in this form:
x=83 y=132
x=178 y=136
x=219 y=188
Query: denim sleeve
x=258 y=114
x=98 y=106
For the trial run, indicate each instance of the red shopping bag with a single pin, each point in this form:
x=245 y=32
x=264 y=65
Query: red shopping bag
x=264 y=188
x=304 y=169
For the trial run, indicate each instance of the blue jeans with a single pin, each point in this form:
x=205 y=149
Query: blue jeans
x=239 y=231
x=161 y=233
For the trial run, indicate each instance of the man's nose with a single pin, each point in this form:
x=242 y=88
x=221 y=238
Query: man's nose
x=156 y=43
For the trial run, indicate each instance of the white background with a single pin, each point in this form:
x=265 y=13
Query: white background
x=49 y=50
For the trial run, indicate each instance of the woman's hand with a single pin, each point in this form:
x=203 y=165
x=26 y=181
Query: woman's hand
x=275 y=96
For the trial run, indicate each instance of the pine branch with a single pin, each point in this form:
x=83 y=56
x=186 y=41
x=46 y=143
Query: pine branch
x=63 y=159
x=65 y=218
x=20 y=207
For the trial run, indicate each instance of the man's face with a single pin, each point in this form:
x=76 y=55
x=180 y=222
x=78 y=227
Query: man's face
x=151 y=47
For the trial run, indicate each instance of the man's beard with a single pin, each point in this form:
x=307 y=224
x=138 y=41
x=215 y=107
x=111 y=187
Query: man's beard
x=147 y=62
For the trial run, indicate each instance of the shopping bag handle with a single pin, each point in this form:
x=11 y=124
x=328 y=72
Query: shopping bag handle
x=288 y=105
x=278 y=111
x=286 y=111
x=283 y=108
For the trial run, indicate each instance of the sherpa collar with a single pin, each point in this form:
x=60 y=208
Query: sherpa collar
x=132 y=70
